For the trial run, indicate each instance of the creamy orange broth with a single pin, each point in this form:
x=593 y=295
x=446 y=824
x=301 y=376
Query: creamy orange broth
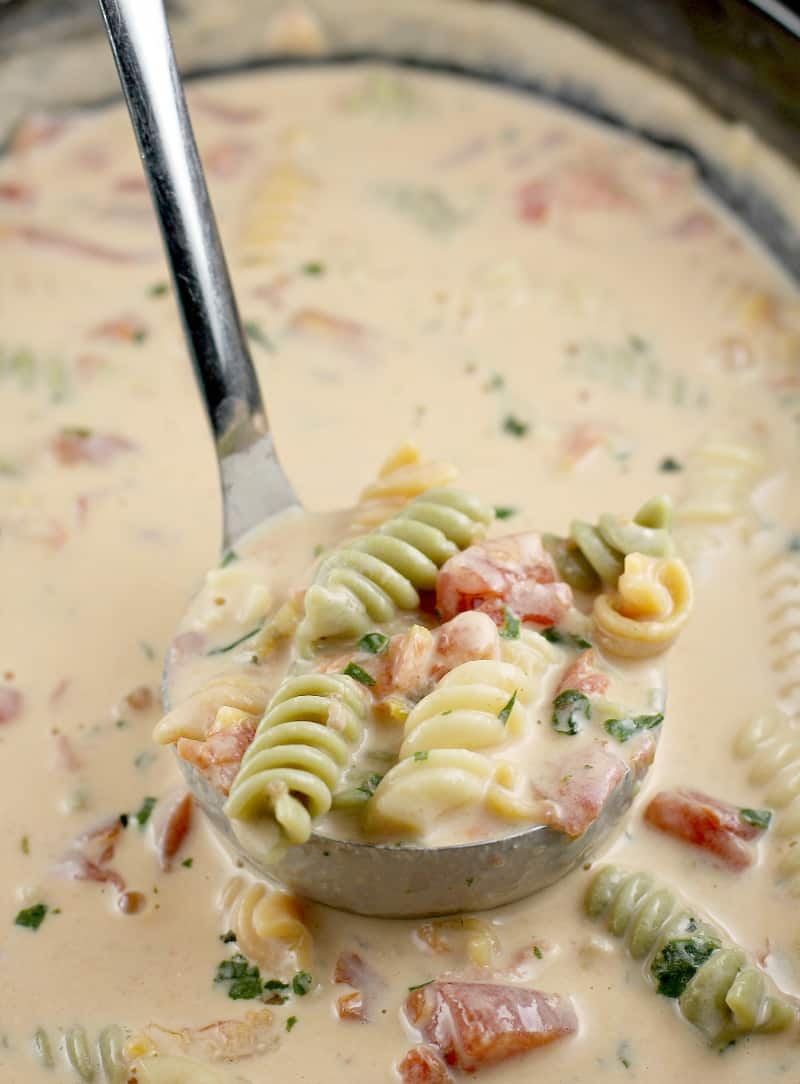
x=554 y=307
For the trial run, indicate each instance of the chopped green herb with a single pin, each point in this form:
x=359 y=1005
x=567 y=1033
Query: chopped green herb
x=678 y=961
x=276 y=984
x=302 y=983
x=290 y=1022
x=793 y=545
x=148 y=649
x=370 y=784
x=624 y=729
x=504 y=713
x=158 y=289
x=421 y=754
x=122 y=724
x=624 y=1054
x=229 y=558
x=234 y=643
x=571 y=712
x=82 y=432
x=313 y=267
x=227 y=937
x=636 y=342
x=496 y=382
x=123 y=819
x=514 y=426
x=144 y=759
x=420 y=985
x=374 y=642
x=759 y=818
x=537 y=952
x=31 y=918
x=356 y=672
x=469 y=882
x=187 y=863
x=504 y=511
x=511 y=626
x=319 y=549
x=256 y=334
x=143 y=813
x=568 y=639
x=25 y=845
x=244 y=978
x=670 y=465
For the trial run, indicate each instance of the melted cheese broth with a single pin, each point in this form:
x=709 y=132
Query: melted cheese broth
x=554 y=307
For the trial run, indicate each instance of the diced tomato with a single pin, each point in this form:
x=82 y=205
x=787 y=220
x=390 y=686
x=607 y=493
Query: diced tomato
x=475 y=1024
x=579 y=787
x=11 y=704
x=367 y=985
x=424 y=1065
x=514 y=573
x=351 y=1007
x=220 y=755
x=73 y=446
x=706 y=822
x=584 y=676
x=173 y=829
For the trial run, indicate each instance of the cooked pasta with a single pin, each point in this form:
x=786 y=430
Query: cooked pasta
x=772 y=742
x=717 y=990
x=401 y=478
x=593 y=555
x=246 y=692
x=370 y=578
x=268 y=925
x=273 y=211
x=103 y=1059
x=169 y=1069
x=306 y=739
x=781 y=592
x=647 y=611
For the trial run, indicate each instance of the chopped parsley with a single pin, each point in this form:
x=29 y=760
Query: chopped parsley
x=357 y=672
x=124 y=819
x=571 y=712
x=514 y=426
x=142 y=814
x=302 y=983
x=504 y=511
x=496 y=382
x=158 y=289
x=227 y=937
x=624 y=1054
x=31 y=918
x=370 y=784
x=290 y=1022
x=374 y=642
x=759 y=818
x=420 y=985
x=244 y=978
x=537 y=952
x=148 y=650
x=624 y=729
x=678 y=961
x=670 y=465
x=234 y=643
x=421 y=754
x=568 y=639
x=256 y=334
x=313 y=267
x=228 y=558
x=504 y=713
x=25 y=845
x=511 y=626
x=187 y=863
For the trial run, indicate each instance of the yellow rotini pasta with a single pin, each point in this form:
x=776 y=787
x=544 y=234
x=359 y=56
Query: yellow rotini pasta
x=647 y=611
x=273 y=211
x=403 y=476
x=268 y=925
x=248 y=692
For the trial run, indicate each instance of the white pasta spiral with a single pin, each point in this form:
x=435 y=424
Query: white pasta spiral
x=306 y=739
x=194 y=718
x=650 y=606
x=726 y=997
x=772 y=742
x=268 y=924
x=370 y=578
x=401 y=478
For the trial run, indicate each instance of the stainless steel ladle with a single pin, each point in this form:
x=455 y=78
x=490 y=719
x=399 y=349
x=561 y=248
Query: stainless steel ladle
x=369 y=879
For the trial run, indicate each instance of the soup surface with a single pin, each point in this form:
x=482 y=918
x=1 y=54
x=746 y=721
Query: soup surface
x=557 y=309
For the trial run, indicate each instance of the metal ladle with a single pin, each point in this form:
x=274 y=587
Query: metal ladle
x=369 y=879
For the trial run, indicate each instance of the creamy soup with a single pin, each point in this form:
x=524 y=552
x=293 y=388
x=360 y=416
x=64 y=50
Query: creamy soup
x=554 y=307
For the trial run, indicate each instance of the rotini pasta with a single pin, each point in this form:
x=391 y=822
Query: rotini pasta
x=772 y=743
x=273 y=211
x=401 y=478
x=647 y=611
x=307 y=737
x=717 y=990
x=105 y=1055
x=594 y=555
x=781 y=593
x=268 y=924
x=246 y=692
x=370 y=578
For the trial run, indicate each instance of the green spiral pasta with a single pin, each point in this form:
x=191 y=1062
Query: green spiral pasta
x=718 y=991
x=304 y=742
x=102 y=1060
x=369 y=579
x=594 y=556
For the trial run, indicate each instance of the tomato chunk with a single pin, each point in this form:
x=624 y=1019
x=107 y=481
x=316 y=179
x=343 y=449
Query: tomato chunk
x=706 y=822
x=514 y=573
x=423 y=1065
x=578 y=787
x=584 y=676
x=476 y=1024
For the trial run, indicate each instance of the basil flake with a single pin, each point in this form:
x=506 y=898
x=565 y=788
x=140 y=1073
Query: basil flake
x=625 y=729
x=571 y=712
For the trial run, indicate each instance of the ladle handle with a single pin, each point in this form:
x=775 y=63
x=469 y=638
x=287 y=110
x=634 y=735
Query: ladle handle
x=254 y=485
